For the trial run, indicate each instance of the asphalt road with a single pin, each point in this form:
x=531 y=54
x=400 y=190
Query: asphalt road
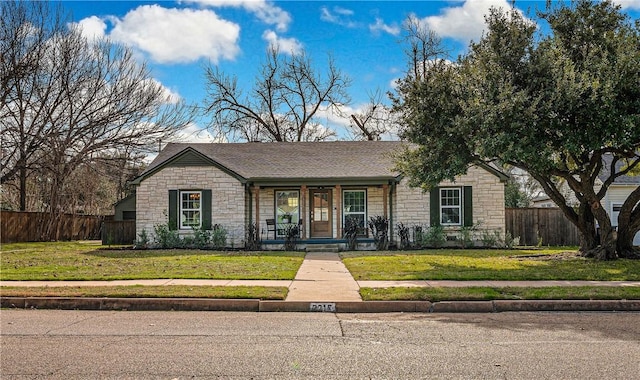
x=51 y=344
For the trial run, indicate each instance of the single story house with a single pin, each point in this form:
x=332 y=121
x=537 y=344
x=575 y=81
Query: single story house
x=318 y=186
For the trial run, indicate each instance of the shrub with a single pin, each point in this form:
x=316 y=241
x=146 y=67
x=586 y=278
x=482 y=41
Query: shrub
x=164 y=237
x=491 y=239
x=403 y=233
x=510 y=241
x=201 y=238
x=379 y=227
x=435 y=236
x=291 y=233
x=219 y=236
x=351 y=233
x=142 y=242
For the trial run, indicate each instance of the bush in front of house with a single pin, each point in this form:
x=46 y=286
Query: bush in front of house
x=379 y=227
x=165 y=237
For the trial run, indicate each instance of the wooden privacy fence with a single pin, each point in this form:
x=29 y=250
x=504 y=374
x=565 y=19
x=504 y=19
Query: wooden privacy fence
x=118 y=232
x=31 y=226
x=548 y=224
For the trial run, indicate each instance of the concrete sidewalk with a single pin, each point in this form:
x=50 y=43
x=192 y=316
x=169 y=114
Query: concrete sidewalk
x=323 y=277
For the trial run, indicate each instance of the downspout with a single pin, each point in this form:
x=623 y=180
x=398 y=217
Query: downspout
x=248 y=188
x=392 y=188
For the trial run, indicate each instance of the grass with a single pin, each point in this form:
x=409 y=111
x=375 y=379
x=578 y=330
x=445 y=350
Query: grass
x=506 y=293
x=479 y=264
x=85 y=261
x=139 y=291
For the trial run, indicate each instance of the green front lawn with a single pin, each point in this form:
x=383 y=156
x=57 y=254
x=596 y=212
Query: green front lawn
x=84 y=261
x=507 y=293
x=140 y=291
x=480 y=264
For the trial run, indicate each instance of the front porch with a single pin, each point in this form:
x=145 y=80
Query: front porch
x=315 y=214
x=363 y=244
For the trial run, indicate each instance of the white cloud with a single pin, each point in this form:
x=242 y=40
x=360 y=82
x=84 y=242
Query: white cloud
x=465 y=22
x=338 y=15
x=628 y=4
x=177 y=35
x=380 y=26
x=285 y=45
x=92 y=27
x=262 y=9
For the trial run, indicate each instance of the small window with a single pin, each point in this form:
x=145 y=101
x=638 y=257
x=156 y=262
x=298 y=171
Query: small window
x=128 y=215
x=355 y=209
x=450 y=207
x=190 y=209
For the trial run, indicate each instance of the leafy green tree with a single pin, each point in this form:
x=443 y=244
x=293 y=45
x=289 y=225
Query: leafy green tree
x=552 y=105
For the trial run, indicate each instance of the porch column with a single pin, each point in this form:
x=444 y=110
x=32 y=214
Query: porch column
x=256 y=191
x=303 y=210
x=385 y=199
x=338 y=206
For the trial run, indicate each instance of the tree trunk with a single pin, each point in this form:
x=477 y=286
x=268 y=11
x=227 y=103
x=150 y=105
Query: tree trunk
x=629 y=225
x=607 y=248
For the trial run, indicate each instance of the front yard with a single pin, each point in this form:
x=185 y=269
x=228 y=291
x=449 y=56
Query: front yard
x=83 y=261
x=90 y=261
x=484 y=264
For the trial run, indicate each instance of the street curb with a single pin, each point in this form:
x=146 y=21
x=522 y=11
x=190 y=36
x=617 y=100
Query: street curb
x=255 y=305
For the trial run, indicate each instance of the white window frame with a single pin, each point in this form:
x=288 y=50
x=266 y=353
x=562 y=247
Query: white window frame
x=364 y=213
x=184 y=226
x=451 y=207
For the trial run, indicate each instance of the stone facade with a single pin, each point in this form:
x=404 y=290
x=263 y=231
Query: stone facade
x=412 y=205
x=228 y=198
x=231 y=203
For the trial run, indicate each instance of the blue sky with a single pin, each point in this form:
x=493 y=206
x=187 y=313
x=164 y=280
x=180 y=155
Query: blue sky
x=178 y=39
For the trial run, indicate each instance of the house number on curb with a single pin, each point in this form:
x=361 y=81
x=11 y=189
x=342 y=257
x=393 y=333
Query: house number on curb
x=328 y=307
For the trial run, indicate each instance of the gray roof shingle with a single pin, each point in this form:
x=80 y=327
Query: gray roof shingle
x=279 y=160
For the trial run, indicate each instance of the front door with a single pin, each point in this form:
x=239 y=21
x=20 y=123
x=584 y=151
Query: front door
x=320 y=213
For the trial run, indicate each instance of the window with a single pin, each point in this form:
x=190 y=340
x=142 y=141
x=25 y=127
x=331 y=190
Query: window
x=190 y=209
x=615 y=212
x=287 y=208
x=355 y=209
x=450 y=206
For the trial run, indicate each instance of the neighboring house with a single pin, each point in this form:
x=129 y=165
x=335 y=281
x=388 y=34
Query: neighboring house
x=125 y=209
x=315 y=185
x=615 y=196
x=618 y=192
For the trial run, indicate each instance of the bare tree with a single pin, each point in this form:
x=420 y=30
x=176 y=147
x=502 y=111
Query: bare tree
x=84 y=100
x=25 y=29
x=424 y=47
x=283 y=103
x=374 y=120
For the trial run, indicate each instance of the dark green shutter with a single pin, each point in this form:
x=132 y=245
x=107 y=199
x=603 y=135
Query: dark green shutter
x=434 y=206
x=468 y=206
x=206 y=209
x=173 y=209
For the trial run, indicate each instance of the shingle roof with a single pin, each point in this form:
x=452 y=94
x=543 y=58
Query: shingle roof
x=279 y=160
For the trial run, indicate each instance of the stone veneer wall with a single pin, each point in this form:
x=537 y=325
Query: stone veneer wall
x=411 y=206
x=227 y=193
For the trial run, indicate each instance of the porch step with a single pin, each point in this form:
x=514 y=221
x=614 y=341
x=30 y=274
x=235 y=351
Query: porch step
x=323 y=248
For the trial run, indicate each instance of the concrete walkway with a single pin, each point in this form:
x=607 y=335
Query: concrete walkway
x=323 y=277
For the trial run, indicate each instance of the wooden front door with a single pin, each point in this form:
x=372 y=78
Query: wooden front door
x=320 y=214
